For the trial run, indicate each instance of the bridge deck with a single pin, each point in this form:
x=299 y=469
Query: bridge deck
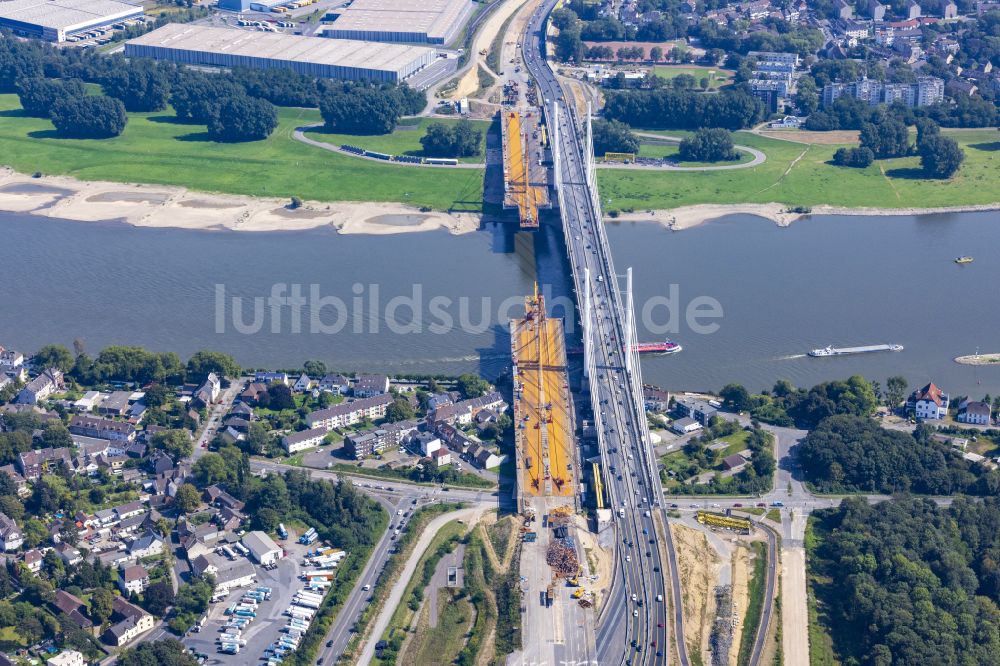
x=525 y=186
x=544 y=436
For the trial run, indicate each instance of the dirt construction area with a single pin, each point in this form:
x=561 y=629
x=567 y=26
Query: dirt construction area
x=832 y=138
x=698 y=563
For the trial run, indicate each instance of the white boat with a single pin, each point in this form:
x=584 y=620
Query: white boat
x=842 y=351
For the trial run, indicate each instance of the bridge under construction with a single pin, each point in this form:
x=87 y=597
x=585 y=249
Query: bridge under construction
x=525 y=176
x=542 y=411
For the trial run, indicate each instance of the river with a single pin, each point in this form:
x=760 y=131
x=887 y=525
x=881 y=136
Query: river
x=824 y=280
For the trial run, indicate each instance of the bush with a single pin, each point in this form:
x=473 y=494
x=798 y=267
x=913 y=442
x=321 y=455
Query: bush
x=38 y=95
x=243 y=118
x=97 y=117
x=708 y=145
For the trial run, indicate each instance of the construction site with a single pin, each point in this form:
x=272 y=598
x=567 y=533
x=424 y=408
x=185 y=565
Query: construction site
x=557 y=581
x=525 y=162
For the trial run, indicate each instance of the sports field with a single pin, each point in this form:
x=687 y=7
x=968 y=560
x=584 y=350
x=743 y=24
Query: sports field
x=716 y=75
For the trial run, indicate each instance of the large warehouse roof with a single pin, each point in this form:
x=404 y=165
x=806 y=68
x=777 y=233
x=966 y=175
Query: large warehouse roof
x=64 y=14
x=230 y=47
x=439 y=20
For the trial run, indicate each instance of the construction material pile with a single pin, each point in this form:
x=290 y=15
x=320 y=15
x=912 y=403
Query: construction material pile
x=560 y=515
x=585 y=603
x=562 y=559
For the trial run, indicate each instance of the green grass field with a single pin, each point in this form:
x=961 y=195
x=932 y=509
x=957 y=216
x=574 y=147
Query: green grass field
x=404 y=141
x=440 y=645
x=716 y=76
x=801 y=175
x=155 y=149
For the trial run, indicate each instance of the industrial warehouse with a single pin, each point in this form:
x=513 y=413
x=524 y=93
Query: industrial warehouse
x=419 y=21
x=311 y=56
x=58 y=20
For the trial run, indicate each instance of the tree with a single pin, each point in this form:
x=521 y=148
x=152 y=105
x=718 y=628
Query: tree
x=735 y=397
x=471 y=386
x=708 y=145
x=267 y=520
x=399 y=410
x=91 y=117
x=188 y=498
x=55 y=435
x=940 y=156
x=656 y=54
x=895 y=391
x=37 y=95
x=175 y=443
x=360 y=110
x=158 y=395
x=258 y=437
x=53 y=356
x=243 y=118
x=165 y=652
x=886 y=137
x=140 y=84
x=459 y=140
x=101 y=605
x=613 y=136
x=315 y=368
x=158 y=597
x=280 y=396
x=204 y=362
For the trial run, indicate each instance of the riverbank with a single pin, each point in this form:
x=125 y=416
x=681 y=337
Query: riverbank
x=686 y=217
x=177 y=207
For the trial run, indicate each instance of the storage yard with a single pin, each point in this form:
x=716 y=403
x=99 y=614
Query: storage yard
x=61 y=20
x=417 y=21
x=311 y=56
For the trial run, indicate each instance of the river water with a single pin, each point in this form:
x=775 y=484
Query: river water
x=824 y=280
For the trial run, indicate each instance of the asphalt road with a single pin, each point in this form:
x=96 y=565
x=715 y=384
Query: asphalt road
x=633 y=628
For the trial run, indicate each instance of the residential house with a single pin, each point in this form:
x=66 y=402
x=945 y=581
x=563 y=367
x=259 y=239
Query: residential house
x=67 y=658
x=483 y=458
x=33 y=560
x=20 y=482
x=734 y=462
x=368 y=386
x=70 y=555
x=148 y=545
x=702 y=412
x=427 y=441
x=210 y=390
x=270 y=377
x=10 y=533
x=333 y=383
x=655 y=400
x=218 y=497
x=441 y=457
x=89 y=401
x=977 y=413
x=349 y=413
x=133 y=578
x=251 y=394
x=128 y=510
x=876 y=10
x=130 y=621
x=35 y=463
x=100 y=428
x=464 y=411
x=306 y=439
x=303 y=383
x=73 y=607
x=115 y=404
x=845 y=11
x=928 y=403
x=913 y=10
x=41 y=387
x=10 y=359
x=200 y=540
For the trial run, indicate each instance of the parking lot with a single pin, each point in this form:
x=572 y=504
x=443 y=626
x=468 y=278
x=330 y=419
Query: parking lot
x=266 y=627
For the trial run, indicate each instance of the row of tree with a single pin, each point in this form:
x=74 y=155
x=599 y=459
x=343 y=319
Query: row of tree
x=134 y=364
x=352 y=107
x=684 y=109
x=73 y=113
x=787 y=405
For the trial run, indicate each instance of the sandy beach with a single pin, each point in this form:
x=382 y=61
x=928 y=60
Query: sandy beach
x=177 y=207
x=685 y=217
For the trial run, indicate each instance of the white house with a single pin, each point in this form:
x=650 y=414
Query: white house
x=429 y=443
x=10 y=533
x=262 y=547
x=133 y=578
x=10 y=359
x=928 y=403
x=147 y=545
x=441 y=457
x=977 y=413
x=338 y=384
x=303 y=383
x=306 y=439
x=685 y=425
x=89 y=400
x=67 y=658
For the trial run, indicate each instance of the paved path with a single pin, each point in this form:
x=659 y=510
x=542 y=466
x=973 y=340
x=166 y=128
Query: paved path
x=758 y=158
x=299 y=135
x=396 y=594
x=794 y=611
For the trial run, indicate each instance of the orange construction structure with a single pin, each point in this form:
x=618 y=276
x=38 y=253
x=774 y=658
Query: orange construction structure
x=524 y=188
x=542 y=414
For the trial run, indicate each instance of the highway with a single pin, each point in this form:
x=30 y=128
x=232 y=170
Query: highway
x=633 y=628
